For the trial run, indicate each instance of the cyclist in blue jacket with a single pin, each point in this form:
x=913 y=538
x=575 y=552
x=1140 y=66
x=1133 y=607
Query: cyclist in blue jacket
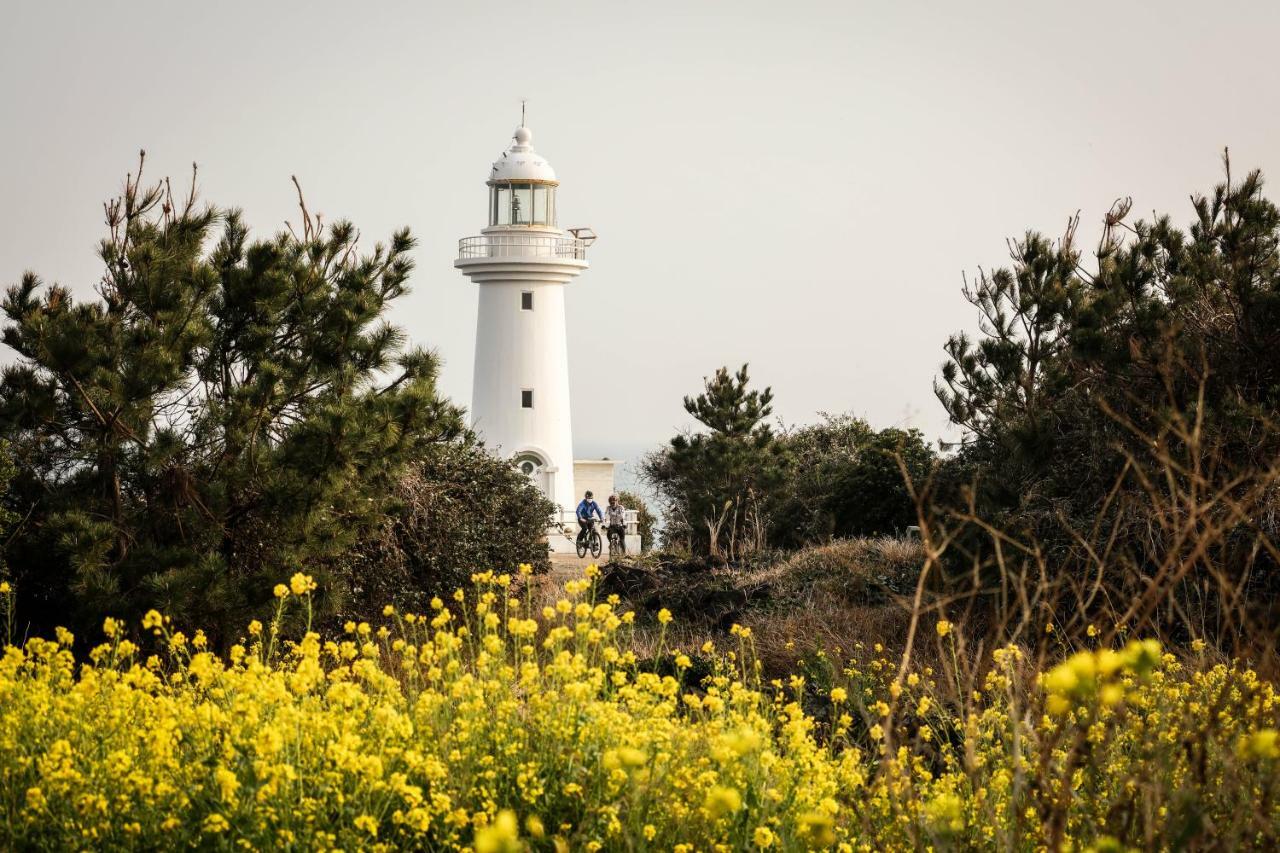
x=585 y=510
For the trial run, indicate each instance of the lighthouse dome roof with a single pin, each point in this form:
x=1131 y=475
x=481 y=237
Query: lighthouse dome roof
x=520 y=162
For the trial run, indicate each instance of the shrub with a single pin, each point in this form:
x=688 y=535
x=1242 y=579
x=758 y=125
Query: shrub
x=645 y=520
x=845 y=479
x=855 y=571
x=457 y=507
x=738 y=489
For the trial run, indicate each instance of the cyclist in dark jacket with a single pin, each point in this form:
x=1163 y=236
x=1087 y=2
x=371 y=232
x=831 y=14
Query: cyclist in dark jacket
x=585 y=510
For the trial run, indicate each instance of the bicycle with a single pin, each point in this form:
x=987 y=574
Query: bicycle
x=617 y=547
x=589 y=540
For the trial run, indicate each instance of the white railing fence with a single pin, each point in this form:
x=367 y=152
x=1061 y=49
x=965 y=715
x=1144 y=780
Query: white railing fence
x=522 y=246
x=569 y=521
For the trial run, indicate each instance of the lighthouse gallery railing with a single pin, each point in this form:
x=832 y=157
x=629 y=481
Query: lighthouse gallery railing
x=522 y=246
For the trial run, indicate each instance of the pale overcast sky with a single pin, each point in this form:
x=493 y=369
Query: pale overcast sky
x=797 y=185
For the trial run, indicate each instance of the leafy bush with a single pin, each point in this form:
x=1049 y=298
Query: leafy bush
x=525 y=733
x=738 y=489
x=845 y=479
x=458 y=507
x=645 y=520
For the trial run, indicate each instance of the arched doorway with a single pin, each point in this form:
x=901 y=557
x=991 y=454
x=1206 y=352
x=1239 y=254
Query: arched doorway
x=534 y=467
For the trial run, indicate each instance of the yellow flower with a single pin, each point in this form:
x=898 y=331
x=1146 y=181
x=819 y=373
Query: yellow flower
x=352 y=743
x=110 y=627
x=664 y=616
x=1264 y=743
x=1142 y=656
x=723 y=801
x=301 y=584
x=5 y=588
x=1108 y=662
x=280 y=591
x=945 y=813
x=227 y=783
x=501 y=836
x=943 y=627
x=817 y=829
x=367 y=823
x=215 y=823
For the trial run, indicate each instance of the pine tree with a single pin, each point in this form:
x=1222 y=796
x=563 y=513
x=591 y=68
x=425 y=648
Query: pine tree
x=215 y=419
x=1121 y=414
x=716 y=484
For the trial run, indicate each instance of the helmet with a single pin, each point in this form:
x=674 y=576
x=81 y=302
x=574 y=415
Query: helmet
x=588 y=494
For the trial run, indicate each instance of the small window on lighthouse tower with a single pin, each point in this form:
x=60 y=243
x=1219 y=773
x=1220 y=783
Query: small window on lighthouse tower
x=526 y=398
x=526 y=300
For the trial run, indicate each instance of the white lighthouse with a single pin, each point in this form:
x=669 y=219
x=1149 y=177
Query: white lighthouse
x=522 y=262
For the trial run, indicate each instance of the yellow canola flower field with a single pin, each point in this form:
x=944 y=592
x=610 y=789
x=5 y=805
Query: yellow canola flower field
x=485 y=726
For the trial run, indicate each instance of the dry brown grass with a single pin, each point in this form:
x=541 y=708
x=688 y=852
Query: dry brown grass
x=1183 y=550
x=867 y=570
x=783 y=637
x=828 y=598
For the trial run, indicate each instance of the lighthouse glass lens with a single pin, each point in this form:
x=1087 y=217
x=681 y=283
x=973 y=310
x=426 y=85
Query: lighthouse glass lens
x=540 y=205
x=522 y=204
x=503 y=207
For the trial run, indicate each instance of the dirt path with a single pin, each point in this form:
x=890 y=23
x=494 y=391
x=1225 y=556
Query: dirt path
x=568 y=566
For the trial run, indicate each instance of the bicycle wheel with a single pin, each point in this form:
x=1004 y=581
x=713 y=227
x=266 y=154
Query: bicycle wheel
x=595 y=544
x=582 y=547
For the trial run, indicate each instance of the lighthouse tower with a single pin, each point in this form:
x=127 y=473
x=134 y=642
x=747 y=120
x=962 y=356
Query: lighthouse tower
x=522 y=262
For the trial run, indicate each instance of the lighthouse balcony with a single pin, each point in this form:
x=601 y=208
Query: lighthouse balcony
x=501 y=246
